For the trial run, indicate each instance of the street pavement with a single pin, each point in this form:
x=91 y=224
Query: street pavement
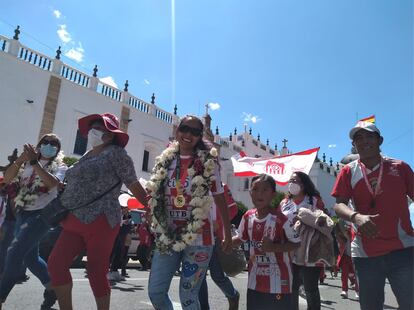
x=132 y=294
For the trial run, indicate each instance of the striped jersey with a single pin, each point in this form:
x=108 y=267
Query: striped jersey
x=269 y=272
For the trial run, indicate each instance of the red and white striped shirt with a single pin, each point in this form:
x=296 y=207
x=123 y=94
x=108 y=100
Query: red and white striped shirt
x=269 y=272
x=178 y=217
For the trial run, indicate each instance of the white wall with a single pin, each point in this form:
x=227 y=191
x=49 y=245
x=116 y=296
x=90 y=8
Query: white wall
x=20 y=121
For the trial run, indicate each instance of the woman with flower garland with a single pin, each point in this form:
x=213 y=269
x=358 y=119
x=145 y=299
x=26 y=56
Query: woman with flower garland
x=184 y=177
x=37 y=172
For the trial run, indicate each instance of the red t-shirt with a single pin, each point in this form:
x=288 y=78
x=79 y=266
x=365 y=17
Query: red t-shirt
x=269 y=272
x=394 y=225
x=178 y=217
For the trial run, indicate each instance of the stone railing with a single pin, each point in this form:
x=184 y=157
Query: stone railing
x=56 y=66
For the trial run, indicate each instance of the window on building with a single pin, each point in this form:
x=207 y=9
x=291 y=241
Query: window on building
x=145 y=161
x=80 y=144
x=246 y=184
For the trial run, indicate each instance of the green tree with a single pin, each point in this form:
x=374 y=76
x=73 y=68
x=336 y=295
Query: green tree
x=69 y=161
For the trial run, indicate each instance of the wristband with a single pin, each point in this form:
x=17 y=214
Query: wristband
x=352 y=217
x=33 y=162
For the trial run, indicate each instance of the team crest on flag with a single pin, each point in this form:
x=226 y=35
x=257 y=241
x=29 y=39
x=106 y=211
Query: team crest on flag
x=280 y=168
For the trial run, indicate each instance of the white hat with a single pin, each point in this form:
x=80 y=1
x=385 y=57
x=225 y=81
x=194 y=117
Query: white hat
x=368 y=126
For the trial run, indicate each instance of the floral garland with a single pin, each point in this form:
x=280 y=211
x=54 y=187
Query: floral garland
x=28 y=193
x=202 y=173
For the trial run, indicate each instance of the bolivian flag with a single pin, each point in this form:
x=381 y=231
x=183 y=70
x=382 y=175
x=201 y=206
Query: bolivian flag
x=370 y=119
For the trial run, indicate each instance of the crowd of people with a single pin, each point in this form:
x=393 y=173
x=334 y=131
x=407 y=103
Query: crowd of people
x=187 y=225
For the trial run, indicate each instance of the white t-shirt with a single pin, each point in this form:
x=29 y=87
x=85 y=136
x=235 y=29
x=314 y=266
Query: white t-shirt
x=43 y=197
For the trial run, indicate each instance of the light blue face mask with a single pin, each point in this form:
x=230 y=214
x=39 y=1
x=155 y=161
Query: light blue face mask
x=48 y=151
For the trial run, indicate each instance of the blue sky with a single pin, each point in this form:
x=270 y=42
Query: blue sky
x=300 y=70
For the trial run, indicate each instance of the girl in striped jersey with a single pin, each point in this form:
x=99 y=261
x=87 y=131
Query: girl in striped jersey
x=271 y=237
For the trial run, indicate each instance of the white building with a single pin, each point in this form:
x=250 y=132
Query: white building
x=40 y=94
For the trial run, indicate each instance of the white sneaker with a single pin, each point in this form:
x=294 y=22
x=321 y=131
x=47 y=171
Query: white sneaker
x=356 y=296
x=116 y=276
x=344 y=294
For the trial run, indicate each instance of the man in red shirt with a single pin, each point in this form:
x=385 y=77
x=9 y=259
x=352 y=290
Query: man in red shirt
x=384 y=240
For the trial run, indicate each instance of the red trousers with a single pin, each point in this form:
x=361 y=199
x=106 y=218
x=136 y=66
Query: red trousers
x=97 y=238
x=347 y=267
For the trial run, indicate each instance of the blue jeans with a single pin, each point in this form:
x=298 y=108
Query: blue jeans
x=30 y=229
x=397 y=266
x=219 y=277
x=194 y=264
x=8 y=232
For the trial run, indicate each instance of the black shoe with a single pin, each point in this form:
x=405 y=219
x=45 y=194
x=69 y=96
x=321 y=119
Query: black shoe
x=49 y=299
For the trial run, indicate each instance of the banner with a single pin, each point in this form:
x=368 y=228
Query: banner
x=280 y=168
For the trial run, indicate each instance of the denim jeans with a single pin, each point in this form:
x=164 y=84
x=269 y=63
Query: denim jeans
x=194 y=264
x=397 y=266
x=30 y=229
x=219 y=277
x=309 y=276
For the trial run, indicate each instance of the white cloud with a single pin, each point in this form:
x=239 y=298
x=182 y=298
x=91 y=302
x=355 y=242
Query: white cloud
x=76 y=53
x=57 y=13
x=146 y=82
x=331 y=146
x=109 y=80
x=63 y=34
x=248 y=117
x=214 y=106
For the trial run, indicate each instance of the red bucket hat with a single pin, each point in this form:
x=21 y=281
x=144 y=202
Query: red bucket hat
x=111 y=123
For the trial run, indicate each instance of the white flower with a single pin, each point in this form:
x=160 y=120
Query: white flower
x=164 y=239
x=191 y=172
x=197 y=180
x=189 y=238
x=152 y=202
x=196 y=202
x=151 y=186
x=161 y=174
x=213 y=152
x=179 y=246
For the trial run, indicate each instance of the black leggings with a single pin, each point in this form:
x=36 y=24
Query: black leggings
x=309 y=277
x=265 y=301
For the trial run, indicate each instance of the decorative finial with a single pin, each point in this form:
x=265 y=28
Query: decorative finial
x=153 y=98
x=267 y=142
x=250 y=131
x=235 y=131
x=324 y=157
x=284 y=142
x=276 y=146
x=337 y=166
x=230 y=137
x=16 y=33
x=242 y=143
x=330 y=161
x=258 y=137
x=175 y=109
x=95 y=71
x=58 y=52
x=217 y=130
x=126 y=85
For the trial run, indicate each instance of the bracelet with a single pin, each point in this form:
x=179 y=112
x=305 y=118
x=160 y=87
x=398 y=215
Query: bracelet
x=352 y=217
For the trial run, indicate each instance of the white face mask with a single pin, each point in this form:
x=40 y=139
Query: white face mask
x=294 y=189
x=94 y=138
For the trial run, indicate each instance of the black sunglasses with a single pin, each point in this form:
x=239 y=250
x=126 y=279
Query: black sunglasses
x=196 y=132
x=51 y=142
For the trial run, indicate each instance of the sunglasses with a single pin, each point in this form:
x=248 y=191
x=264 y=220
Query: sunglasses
x=196 y=132
x=51 y=142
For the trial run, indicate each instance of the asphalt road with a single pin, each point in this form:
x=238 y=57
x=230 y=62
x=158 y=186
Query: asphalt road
x=132 y=294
